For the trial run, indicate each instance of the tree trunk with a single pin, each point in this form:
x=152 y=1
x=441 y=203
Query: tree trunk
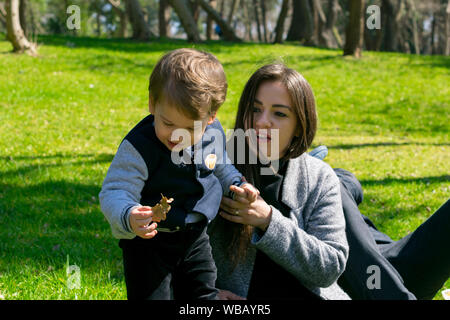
x=327 y=36
x=23 y=16
x=98 y=22
x=187 y=20
x=264 y=20
x=258 y=24
x=122 y=31
x=302 y=25
x=413 y=14
x=141 y=30
x=447 y=30
x=234 y=5
x=163 y=18
x=355 y=29
x=15 y=33
x=392 y=11
x=209 y=21
x=193 y=6
x=2 y=15
x=222 y=8
x=248 y=22
x=279 y=29
x=228 y=32
x=432 y=36
x=34 y=25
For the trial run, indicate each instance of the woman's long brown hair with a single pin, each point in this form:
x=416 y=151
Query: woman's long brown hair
x=303 y=103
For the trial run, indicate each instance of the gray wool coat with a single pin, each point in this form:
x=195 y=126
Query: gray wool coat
x=310 y=243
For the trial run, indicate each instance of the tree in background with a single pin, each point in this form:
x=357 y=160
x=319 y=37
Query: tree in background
x=447 y=30
x=15 y=32
x=302 y=24
x=141 y=30
x=123 y=20
x=355 y=29
x=279 y=29
x=228 y=31
x=2 y=17
x=410 y=26
x=328 y=35
x=163 y=18
x=186 y=19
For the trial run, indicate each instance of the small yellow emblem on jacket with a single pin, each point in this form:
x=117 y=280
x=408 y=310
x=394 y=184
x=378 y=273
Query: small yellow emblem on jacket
x=210 y=161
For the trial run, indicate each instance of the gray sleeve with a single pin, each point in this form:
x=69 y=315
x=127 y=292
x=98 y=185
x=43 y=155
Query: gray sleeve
x=227 y=174
x=317 y=254
x=121 y=189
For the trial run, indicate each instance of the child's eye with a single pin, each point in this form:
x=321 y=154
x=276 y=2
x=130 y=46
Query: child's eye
x=280 y=114
x=167 y=124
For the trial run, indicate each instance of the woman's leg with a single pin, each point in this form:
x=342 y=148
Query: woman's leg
x=364 y=253
x=422 y=257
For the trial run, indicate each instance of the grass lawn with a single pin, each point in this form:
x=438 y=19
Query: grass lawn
x=63 y=115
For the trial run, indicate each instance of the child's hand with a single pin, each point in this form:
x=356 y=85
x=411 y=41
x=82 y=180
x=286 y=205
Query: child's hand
x=245 y=191
x=251 y=192
x=140 y=222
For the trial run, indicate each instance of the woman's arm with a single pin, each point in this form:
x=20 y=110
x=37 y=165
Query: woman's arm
x=317 y=254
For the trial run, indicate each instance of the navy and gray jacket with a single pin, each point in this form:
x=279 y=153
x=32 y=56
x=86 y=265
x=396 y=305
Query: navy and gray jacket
x=143 y=169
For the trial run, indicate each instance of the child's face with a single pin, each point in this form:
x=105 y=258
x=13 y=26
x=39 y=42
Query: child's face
x=168 y=119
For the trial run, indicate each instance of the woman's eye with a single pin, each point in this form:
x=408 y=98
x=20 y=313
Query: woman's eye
x=280 y=114
x=255 y=109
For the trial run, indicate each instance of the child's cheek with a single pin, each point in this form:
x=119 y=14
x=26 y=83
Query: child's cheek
x=197 y=137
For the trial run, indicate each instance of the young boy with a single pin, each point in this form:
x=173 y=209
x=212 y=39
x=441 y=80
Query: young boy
x=172 y=259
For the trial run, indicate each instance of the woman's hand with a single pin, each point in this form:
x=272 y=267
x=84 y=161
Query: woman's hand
x=242 y=210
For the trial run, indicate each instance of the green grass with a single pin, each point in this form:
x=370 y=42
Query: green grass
x=63 y=115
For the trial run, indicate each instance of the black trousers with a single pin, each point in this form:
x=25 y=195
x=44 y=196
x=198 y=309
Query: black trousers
x=415 y=266
x=176 y=265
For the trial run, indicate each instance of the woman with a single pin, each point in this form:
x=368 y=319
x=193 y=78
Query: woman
x=414 y=267
x=296 y=226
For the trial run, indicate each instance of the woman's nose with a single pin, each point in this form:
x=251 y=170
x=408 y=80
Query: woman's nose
x=263 y=120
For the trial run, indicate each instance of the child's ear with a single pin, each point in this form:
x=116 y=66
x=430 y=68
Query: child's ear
x=151 y=106
x=212 y=117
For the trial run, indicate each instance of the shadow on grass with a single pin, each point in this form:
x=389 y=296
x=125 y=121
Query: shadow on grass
x=43 y=222
x=385 y=144
x=435 y=61
x=164 y=45
x=389 y=181
x=48 y=221
x=130 y=45
x=28 y=168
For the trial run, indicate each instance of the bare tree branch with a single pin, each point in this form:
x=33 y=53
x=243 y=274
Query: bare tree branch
x=228 y=32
